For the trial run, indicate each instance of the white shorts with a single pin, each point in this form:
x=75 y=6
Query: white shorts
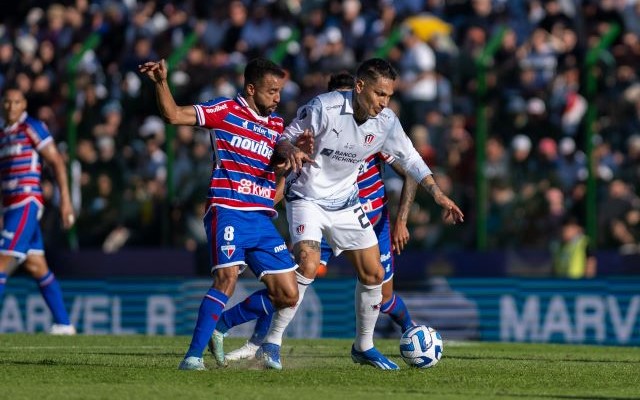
x=347 y=229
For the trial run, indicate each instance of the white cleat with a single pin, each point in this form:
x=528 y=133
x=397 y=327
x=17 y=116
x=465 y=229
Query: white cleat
x=63 y=330
x=246 y=352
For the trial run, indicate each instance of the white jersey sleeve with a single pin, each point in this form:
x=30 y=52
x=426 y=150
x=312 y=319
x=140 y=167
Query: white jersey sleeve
x=399 y=146
x=310 y=116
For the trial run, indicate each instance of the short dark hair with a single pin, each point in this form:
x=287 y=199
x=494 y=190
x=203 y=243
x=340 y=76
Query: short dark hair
x=341 y=80
x=11 y=86
x=374 y=68
x=257 y=68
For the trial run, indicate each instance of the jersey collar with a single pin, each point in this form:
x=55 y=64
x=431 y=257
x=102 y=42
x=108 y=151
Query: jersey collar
x=243 y=102
x=20 y=120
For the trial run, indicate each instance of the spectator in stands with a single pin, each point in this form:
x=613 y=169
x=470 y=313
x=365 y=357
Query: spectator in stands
x=572 y=255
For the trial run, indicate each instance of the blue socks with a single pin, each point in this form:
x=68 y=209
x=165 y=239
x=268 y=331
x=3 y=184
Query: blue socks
x=210 y=309
x=253 y=307
x=52 y=294
x=260 y=331
x=3 y=282
x=398 y=312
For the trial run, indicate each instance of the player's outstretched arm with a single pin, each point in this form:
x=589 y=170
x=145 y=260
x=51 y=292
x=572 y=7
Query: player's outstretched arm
x=400 y=233
x=452 y=213
x=157 y=72
x=53 y=158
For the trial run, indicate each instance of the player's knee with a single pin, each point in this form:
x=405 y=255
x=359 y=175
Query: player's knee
x=308 y=269
x=225 y=280
x=285 y=299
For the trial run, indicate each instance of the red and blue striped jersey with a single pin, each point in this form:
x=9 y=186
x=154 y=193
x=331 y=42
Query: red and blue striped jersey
x=243 y=142
x=371 y=187
x=20 y=163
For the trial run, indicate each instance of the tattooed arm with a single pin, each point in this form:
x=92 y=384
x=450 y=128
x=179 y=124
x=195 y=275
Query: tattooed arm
x=452 y=213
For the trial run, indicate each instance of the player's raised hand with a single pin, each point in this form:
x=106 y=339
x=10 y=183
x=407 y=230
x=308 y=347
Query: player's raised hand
x=155 y=70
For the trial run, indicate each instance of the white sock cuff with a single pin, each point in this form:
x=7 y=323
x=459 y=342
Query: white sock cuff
x=303 y=280
x=369 y=287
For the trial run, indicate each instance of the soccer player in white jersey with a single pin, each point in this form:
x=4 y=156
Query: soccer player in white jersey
x=322 y=197
x=373 y=197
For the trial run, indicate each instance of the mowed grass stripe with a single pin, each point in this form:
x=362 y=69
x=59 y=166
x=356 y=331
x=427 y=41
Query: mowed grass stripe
x=145 y=367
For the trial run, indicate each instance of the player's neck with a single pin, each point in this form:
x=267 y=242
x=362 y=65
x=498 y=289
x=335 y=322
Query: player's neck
x=359 y=114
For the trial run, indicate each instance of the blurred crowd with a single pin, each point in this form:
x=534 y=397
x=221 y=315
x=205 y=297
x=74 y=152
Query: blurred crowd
x=536 y=98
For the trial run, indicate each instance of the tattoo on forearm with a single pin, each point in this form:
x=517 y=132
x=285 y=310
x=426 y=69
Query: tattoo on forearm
x=432 y=188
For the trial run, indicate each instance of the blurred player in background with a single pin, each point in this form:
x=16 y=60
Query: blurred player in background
x=240 y=200
x=23 y=141
x=374 y=202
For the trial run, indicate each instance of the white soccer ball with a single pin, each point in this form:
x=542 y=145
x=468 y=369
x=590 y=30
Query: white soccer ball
x=421 y=346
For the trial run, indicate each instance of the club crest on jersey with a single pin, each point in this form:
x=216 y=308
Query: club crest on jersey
x=300 y=229
x=369 y=139
x=228 y=250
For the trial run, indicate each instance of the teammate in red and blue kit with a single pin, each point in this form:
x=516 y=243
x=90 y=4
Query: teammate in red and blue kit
x=240 y=199
x=24 y=140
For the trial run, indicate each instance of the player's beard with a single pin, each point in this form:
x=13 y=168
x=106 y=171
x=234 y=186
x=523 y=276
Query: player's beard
x=265 y=111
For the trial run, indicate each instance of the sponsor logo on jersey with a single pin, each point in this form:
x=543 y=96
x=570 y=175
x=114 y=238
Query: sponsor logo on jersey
x=369 y=139
x=346 y=157
x=216 y=108
x=332 y=107
x=300 y=229
x=341 y=156
x=228 y=250
x=261 y=148
x=249 y=187
x=280 y=248
x=334 y=130
x=326 y=152
x=14 y=150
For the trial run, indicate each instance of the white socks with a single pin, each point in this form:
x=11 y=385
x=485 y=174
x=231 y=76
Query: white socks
x=283 y=317
x=368 y=299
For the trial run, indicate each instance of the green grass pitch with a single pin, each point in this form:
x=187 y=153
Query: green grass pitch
x=143 y=367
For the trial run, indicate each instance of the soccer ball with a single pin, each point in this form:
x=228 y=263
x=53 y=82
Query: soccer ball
x=421 y=347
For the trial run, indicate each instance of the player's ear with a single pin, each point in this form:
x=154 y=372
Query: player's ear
x=359 y=85
x=250 y=89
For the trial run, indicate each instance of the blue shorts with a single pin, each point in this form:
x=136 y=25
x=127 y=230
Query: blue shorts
x=21 y=233
x=383 y=233
x=246 y=238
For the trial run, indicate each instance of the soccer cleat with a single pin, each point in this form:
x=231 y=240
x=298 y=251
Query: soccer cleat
x=63 y=330
x=216 y=347
x=372 y=357
x=246 y=352
x=270 y=354
x=192 y=364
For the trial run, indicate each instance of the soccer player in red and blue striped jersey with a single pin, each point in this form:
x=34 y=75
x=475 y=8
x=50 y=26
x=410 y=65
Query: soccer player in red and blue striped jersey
x=241 y=192
x=24 y=140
